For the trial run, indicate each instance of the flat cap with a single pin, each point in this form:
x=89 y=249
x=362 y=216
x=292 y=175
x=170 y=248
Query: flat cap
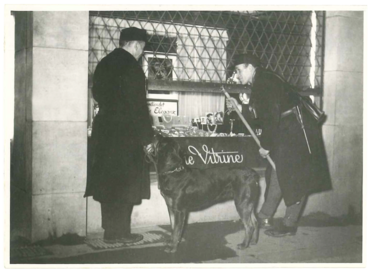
x=246 y=58
x=133 y=34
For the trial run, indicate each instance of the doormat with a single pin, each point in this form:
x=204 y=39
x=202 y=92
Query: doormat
x=149 y=238
x=29 y=252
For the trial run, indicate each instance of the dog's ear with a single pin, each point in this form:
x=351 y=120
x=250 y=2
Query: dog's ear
x=182 y=154
x=179 y=150
x=157 y=138
x=161 y=141
x=157 y=135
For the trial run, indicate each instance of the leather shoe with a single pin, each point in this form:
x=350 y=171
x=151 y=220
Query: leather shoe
x=265 y=223
x=281 y=231
x=110 y=241
x=131 y=238
x=110 y=237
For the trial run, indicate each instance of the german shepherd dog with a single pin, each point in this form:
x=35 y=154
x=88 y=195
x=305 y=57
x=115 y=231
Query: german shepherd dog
x=186 y=190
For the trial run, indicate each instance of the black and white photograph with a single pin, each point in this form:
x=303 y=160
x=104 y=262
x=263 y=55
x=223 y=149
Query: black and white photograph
x=219 y=117
x=101 y=173
x=159 y=66
x=210 y=118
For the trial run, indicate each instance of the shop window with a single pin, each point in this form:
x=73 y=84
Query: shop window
x=196 y=48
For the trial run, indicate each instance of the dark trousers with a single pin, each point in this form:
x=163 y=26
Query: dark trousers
x=116 y=219
x=273 y=197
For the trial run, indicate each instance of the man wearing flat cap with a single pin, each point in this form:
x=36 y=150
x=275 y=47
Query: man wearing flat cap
x=119 y=176
x=299 y=155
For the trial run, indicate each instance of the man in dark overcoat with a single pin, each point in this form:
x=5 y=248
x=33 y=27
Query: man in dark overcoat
x=119 y=176
x=299 y=154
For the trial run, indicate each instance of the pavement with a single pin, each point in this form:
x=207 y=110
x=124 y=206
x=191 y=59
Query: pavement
x=318 y=241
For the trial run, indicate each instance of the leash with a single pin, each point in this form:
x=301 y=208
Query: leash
x=178 y=169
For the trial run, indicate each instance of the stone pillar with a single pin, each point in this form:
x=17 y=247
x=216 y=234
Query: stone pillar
x=343 y=103
x=50 y=139
x=20 y=195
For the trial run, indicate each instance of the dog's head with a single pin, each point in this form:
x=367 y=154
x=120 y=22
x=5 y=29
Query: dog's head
x=168 y=153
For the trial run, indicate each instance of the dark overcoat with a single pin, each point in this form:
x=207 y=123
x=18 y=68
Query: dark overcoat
x=299 y=172
x=120 y=130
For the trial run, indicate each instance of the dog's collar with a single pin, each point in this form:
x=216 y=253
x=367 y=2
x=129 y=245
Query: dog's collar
x=178 y=169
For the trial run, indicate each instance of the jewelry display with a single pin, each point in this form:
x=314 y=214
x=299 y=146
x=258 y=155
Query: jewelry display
x=167 y=121
x=209 y=130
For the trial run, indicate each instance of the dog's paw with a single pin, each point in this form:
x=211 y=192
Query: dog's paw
x=170 y=249
x=253 y=243
x=242 y=246
x=168 y=242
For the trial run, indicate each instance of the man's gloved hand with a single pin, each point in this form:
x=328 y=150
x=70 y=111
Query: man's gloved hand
x=149 y=148
x=264 y=152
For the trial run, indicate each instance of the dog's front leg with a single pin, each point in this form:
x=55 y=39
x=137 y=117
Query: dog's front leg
x=179 y=223
x=169 y=203
x=172 y=218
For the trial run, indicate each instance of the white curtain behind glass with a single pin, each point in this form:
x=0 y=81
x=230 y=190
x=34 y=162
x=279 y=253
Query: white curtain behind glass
x=203 y=49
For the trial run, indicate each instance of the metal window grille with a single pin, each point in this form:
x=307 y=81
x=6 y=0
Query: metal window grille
x=194 y=49
x=200 y=44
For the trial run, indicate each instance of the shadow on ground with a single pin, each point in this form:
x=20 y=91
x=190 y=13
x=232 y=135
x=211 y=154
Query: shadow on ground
x=320 y=219
x=203 y=242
